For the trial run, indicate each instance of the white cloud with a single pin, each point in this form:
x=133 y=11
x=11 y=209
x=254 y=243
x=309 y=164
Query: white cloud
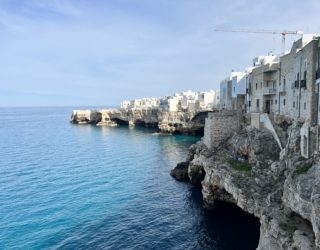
x=119 y=49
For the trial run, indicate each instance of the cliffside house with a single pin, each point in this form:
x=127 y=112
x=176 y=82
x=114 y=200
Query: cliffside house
x=262 y=85
x=233 y=91
x=287 y=87
x=278 y=88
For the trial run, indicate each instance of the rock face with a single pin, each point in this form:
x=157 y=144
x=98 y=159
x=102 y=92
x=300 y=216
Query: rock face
x=85 y=116
x=180 y=172
x=280 y=188
x=302 y=195
x=167 y=122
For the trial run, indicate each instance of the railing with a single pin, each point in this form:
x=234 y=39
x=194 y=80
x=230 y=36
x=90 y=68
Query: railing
x=269 y=91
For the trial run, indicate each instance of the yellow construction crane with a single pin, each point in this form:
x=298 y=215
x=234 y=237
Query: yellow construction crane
x=262 y=31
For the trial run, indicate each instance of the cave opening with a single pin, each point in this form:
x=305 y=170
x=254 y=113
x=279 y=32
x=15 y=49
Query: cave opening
x=223 y=226
x=120 y=122
x=296 y=222
x=231 y=227
x=146 y=124
x=196 y=132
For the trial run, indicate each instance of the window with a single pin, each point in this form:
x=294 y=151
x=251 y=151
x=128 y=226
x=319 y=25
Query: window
x=305 y=106
x=271 y=102
x=305 y=145
x=249 y=103
x=260 y=84
x=257 y=103
x=284 y=83
x=256 y=85
x=276 y=101
x=234 y=89
x=294 y=104
x=284 y=102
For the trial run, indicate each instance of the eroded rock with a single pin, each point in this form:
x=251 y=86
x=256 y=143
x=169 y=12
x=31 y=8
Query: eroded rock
x=249 y=172
x=180 y=172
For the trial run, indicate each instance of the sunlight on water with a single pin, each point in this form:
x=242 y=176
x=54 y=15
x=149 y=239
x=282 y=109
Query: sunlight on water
x=80 y=186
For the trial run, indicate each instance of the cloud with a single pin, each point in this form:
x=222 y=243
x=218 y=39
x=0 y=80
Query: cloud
x=100 y=52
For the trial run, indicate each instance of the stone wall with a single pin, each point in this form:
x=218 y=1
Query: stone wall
x=255 y=120
x=219 y=127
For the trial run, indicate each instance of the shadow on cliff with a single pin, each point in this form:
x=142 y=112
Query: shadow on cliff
x=226 y=226
x=120 y=122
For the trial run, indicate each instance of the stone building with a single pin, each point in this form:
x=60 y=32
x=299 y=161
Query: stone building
x=226 y=94
x=297 y=84
x=279 y=88
x=287 y=88
x=262 y=84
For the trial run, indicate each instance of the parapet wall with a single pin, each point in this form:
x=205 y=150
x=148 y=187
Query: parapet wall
x=220 y=126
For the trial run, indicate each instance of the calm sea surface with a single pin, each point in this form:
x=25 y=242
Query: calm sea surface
x=65 y=186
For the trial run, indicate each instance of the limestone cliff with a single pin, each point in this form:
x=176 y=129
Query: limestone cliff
x=166 y=122
x=279 y=187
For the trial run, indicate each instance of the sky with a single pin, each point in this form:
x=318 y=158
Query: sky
x=99 y=52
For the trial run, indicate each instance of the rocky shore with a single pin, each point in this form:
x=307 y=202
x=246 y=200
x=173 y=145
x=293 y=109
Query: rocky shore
x=279 y=187
x=167 y=122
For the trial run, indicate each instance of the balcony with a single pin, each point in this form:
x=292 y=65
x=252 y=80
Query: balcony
x=271 y=67
x=269 y=91
x=303 y=83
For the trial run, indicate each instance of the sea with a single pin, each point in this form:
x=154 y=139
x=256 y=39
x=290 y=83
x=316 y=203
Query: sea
x=67 y=186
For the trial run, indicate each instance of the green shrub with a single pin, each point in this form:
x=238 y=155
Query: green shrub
x=303 y=168
x=289 y=227
x=243 y=165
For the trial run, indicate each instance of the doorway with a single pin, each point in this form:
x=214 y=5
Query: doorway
x=268 y=106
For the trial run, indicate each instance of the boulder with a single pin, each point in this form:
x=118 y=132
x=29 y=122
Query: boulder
x=180 y=172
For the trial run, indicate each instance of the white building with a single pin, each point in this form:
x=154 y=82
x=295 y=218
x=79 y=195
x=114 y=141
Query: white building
x=206 y=99
x=144 y=103
x=125 y=104
x=183 y=101
x=216 y=102
x=173 y=104
x=231 y=89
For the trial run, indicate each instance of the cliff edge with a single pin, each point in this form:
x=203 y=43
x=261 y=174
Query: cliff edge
x=278 y=186
x=184 y=122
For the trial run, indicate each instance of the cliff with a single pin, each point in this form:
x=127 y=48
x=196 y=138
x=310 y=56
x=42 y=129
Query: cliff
x=279 y=187
x=167 y=122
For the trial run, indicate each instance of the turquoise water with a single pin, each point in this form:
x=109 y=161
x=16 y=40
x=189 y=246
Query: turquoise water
x=67 y=186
